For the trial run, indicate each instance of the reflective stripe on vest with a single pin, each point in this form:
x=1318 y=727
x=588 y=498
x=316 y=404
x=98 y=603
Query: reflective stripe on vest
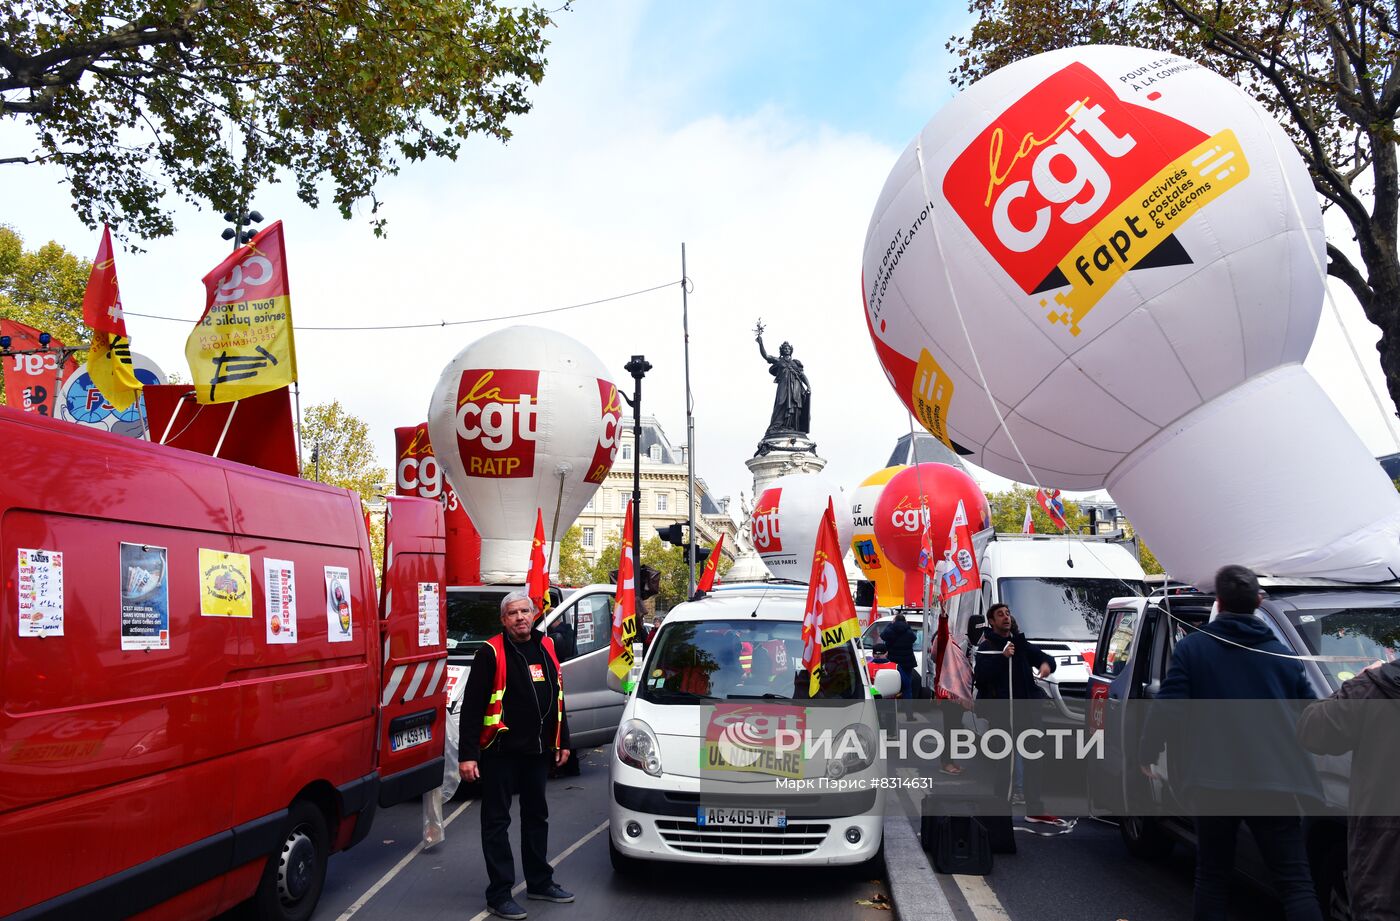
x=493 y=722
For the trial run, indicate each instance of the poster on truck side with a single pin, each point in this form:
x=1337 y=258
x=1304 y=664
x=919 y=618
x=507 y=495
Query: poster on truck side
x=40 y=592
x=224 y=579
x=145 y=597
x=280 y=599
x=428 y=614
x=340 y=620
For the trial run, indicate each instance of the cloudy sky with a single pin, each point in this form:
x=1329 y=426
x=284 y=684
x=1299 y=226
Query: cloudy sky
x=759 y=134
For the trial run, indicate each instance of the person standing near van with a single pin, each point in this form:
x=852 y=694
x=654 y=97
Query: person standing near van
x=899 y=638
x=1006 y=666
x=1363 y=717
x=513 y=729
x=1236 y=657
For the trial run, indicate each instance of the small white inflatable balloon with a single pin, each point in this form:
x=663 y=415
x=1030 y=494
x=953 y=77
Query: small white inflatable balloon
x=785 y=521
x=523 y=419
x=1101 y=267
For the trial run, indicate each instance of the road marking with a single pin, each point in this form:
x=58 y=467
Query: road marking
x=981 y=899
x=554 y=862
x=397 y=868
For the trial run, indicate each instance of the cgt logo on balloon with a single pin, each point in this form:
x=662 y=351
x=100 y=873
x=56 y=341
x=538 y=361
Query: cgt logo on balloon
x=909 y=515
x=606 y=452
x=497 y=422
x=766 y=534
x=1073 y=186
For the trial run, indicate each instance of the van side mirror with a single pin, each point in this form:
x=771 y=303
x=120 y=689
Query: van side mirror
x=887 y=682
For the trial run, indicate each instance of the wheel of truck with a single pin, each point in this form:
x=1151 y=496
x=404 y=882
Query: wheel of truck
x=1145 y=839
x=296 y=872
x=622 y=864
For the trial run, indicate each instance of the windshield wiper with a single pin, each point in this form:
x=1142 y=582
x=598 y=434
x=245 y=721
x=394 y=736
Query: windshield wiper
x=767 y=696
x=663 y=696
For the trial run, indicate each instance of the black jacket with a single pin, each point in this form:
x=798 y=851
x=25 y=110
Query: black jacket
x=1363 y=717
x=530 y=730
x=996 y=680
x=1221 y=747
x=900 y=637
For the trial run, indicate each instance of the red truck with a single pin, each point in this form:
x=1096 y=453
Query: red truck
x=201 y=695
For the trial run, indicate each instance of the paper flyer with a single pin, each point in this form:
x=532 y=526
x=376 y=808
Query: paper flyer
x=145 y=597
x=428 y=614
x=224 y=580
x=340 y=618
x=280 y=595
x=40 y=592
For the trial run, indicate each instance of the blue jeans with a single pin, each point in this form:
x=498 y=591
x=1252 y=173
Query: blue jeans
x=906 y=682
x=1280 y=841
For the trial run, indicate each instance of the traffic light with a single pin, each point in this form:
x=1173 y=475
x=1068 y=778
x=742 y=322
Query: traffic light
x=649 y=584
x=672 y=533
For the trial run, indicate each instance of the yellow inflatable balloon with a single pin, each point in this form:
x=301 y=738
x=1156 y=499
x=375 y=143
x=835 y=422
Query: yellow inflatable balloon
x=889 y=581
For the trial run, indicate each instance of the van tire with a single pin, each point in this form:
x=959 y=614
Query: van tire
x=622 y=865
x=296 y=872
x=1145 y=839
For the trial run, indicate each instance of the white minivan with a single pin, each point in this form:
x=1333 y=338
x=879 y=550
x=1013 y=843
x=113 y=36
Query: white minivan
x=1058 y=588
x=710 y=763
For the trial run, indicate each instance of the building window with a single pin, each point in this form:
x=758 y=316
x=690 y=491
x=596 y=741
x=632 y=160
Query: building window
x=622 y=500
x=663 y=502
x=627 y=451
x=588 y=537
x=655 y=453
x=588 y=506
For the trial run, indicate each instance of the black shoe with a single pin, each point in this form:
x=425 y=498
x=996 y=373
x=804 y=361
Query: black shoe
x=555 y=893
x=509 y=909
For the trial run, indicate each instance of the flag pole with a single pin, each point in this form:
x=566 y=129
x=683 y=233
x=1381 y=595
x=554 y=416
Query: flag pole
x=296 y=394
x=689 y=432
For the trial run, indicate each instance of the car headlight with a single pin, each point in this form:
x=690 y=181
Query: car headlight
x=854 y=750
x=636 y=746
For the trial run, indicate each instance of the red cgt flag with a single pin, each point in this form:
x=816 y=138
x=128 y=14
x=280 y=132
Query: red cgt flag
x=958 y=572
x=102 y=302
x=707 y=575
x=624 y=624
x=537 y=581
x=829 y=618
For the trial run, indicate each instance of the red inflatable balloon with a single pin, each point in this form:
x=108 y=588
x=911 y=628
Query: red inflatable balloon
x=899 y=522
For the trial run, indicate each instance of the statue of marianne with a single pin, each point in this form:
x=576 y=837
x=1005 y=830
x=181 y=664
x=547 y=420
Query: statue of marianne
x=792 y=404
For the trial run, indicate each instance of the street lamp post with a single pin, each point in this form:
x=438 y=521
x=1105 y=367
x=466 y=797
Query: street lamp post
x=637 y=367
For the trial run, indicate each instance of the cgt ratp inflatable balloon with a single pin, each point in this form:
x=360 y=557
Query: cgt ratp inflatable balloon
x=1102 y=266
x=523 y=419
x=785 y=519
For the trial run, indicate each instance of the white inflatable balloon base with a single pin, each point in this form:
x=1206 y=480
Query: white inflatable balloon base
x=1268 y=475
x=506 y=560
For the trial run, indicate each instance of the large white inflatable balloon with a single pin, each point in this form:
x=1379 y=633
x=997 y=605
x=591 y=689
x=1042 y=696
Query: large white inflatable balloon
x=1102 y=267
x=523 y=419
x=785 y=519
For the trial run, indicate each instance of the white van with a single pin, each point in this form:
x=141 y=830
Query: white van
x=1058 y=589
x=708 y=765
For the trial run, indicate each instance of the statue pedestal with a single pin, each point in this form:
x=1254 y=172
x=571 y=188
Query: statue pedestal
x=768 y=467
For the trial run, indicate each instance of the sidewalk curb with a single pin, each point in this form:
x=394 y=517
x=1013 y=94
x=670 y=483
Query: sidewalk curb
x=914 y=890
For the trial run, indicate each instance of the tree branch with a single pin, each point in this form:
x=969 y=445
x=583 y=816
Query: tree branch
x=1341 y=268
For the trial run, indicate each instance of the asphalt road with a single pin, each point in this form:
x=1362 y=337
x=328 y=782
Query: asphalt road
x=1085 y=875
x=448 y=881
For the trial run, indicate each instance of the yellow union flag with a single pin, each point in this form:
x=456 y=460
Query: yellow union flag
x=243 y=344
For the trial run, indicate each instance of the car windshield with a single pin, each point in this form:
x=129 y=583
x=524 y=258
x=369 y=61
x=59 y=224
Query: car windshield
x=474 y=616
x=872 y=634
x=1055 y=608
x=1352 y=631
x=742 y=660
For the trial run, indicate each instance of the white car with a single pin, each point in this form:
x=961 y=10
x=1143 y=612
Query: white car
x=709 y=764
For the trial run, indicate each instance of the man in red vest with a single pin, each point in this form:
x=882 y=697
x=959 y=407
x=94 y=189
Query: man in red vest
x=513 y=728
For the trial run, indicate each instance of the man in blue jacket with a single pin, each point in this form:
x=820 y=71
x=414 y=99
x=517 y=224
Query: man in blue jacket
x=1232 y=752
